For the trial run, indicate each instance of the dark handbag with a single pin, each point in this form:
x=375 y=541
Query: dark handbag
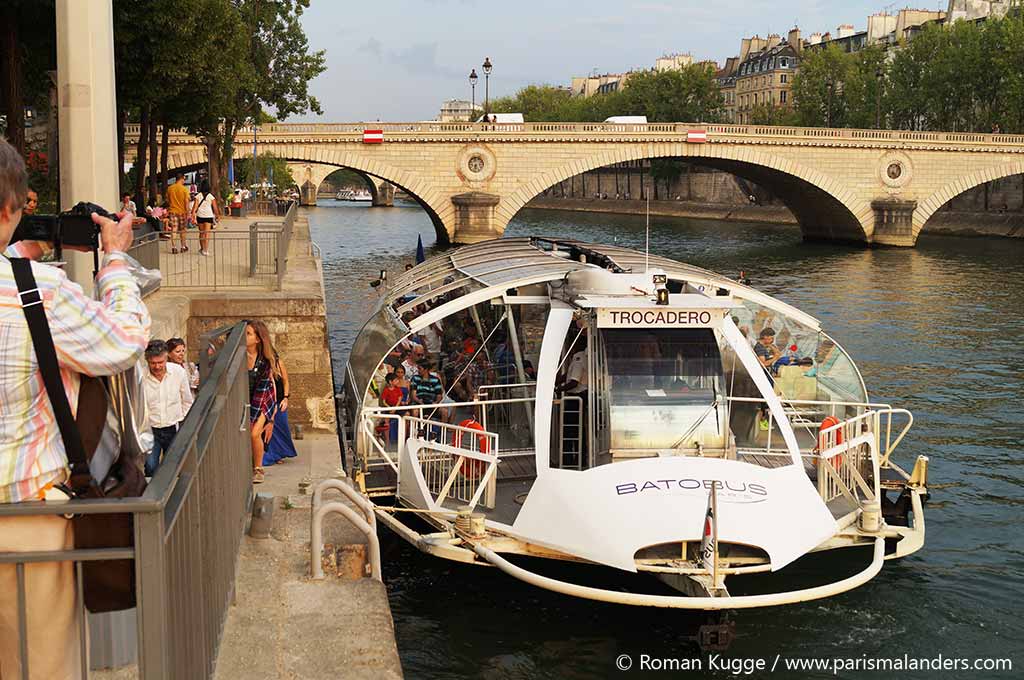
x=108 y=585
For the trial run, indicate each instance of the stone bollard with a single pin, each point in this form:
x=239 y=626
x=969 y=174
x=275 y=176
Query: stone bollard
x=262 y=516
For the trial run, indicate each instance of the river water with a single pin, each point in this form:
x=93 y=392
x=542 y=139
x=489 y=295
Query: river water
x=938 y=329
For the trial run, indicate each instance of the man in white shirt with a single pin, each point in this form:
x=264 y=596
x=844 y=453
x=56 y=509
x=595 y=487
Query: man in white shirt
x=168 y=399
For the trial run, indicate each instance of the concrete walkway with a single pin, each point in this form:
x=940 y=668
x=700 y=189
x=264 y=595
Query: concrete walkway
x=284 y=625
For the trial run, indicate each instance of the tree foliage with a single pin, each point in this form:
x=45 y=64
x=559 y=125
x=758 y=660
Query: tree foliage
x=965 y=76
x=689 y=94
x=267 y=166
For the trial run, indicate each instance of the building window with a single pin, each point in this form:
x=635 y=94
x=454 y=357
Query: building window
x=782 y=78
x=782 y=97
x=783 y=62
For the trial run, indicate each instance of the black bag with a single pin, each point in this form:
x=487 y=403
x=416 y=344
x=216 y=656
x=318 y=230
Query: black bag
x=108 y=585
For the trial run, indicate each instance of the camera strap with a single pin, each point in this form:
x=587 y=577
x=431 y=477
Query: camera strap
x=42 y=340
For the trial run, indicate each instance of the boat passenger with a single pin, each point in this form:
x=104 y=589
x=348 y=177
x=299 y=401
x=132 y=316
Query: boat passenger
x=403 y=384
x=765 y=349
x=427 y=387
x=392 y=395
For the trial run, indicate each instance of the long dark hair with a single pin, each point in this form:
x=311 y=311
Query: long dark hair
x=204 y=188
x=266 y=346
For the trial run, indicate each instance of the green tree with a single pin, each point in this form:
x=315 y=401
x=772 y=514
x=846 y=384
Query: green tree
x=689 y=94
x=267 y=165
x=768 y=114
x=864 y=88
x=818 y=87
x=1010 y=61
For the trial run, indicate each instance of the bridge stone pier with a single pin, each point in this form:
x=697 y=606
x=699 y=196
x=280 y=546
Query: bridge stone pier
x=867 y=186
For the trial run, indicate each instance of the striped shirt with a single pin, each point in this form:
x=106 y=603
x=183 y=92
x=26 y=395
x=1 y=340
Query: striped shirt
x=94 y=338
x=427 y=389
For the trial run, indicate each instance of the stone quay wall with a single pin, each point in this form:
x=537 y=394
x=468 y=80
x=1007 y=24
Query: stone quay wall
x=296 y=317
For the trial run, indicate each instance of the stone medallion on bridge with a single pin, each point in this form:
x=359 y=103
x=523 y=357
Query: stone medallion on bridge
x=896 y=171
x=476 y=164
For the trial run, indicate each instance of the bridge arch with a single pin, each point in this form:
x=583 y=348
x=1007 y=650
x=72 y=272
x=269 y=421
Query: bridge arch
x=434 y=203
x=947 y=193
x=824 y=208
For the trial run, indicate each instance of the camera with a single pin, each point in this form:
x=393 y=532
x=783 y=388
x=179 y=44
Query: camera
x=72 y=227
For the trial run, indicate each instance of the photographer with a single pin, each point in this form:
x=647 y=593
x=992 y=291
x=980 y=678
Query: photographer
x=90 y=337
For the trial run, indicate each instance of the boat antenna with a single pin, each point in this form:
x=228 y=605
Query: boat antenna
x=647 y=245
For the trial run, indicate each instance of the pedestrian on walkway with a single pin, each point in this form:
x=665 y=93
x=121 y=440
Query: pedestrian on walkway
x=259 y=353
x=100 y=337
x=178 y=211
x=205 y=213
x=178 y=354
x=168 y=399
x=281 y=446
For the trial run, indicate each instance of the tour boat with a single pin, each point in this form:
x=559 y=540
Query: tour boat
x=611 y=409
x=360 y=195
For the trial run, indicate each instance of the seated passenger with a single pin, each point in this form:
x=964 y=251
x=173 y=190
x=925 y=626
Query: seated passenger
x=765 y=349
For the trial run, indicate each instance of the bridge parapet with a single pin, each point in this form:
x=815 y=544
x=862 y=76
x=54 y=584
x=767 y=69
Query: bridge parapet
x=273 y=132
x=870 y=186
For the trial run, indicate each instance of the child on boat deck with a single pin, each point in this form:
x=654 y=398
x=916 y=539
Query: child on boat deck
x=391 y=396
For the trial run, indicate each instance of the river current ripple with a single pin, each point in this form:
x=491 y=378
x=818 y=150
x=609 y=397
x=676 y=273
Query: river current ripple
x=937 y=329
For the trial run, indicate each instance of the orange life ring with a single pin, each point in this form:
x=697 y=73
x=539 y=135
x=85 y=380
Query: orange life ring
x=471 y=467
x=831 y=421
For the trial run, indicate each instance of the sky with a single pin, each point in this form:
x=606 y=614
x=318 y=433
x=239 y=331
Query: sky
x=397 y=60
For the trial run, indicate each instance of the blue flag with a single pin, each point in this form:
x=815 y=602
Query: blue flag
x=420 y=257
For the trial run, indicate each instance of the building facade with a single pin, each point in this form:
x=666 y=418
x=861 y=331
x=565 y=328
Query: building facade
x=765 y=76
x=458 y=110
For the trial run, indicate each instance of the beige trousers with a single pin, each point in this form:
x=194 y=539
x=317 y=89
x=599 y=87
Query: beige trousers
x=53 y=620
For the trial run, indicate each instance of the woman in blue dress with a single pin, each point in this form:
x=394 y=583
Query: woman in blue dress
x=280 y=447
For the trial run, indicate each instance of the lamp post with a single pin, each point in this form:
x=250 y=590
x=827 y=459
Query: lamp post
x=487 y=84
x=878 y=98
x=828 y=106
x=472 y=84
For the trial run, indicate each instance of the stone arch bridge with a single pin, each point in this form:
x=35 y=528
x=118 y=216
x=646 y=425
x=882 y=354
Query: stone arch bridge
x=868 y=186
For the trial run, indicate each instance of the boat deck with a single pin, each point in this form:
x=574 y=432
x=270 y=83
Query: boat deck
x=516 y=474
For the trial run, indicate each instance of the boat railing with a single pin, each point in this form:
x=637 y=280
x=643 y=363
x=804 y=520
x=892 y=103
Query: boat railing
x=889 y=431
x=455 y=462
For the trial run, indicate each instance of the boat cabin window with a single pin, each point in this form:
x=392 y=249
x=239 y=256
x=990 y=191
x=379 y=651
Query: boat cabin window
x=663 y=385
x=662 y=366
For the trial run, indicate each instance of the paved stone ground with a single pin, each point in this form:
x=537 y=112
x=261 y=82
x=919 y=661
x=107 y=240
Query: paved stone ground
x=283 y=625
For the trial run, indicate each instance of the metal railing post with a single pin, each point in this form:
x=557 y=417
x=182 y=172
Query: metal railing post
x=151 y=595
x=253 y=247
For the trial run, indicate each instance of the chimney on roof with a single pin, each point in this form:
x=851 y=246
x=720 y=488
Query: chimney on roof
x=794 y=39
x=815 y=39
x=844 y=30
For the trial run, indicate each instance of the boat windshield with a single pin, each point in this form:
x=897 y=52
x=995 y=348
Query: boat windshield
x=662 y=366
x=663 y=386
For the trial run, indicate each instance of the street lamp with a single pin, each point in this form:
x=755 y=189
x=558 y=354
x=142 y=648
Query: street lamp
x=487 y=83
x=472 y=84
x=878 y=98
x=828 y=107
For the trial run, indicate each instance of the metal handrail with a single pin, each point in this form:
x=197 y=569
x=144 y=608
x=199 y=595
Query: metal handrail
x=367 y=524
x=180 y=508
x=317 y=540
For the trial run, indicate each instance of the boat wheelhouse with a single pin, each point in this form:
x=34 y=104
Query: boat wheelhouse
x=606 y=407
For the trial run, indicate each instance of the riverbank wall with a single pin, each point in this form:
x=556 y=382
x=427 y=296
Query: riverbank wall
x=772 y=214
